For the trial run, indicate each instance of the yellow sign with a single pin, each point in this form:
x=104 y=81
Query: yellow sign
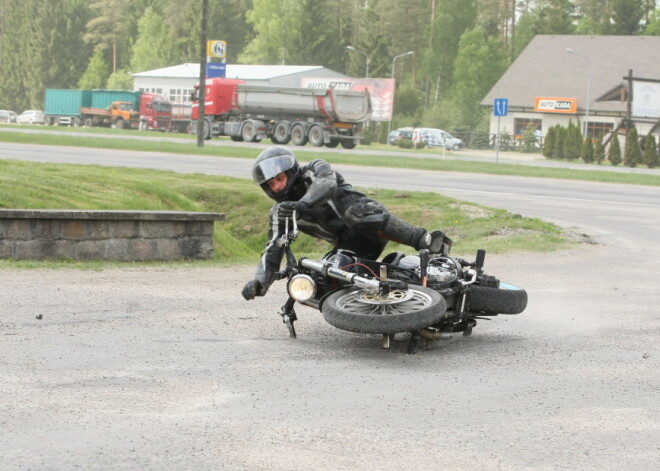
x=216 y=49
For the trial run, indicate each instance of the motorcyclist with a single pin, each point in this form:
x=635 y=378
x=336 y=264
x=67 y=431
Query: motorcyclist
x=326 y=207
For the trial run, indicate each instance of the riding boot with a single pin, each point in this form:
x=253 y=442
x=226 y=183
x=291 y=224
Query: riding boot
x=398 y=230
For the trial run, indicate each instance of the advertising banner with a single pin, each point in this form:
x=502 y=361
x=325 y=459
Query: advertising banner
x=555 y=105
x=381 y=92
x=646 y=99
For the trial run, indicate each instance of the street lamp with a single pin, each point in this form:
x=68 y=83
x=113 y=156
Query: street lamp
x=366 y=56
x=389 y=125
x=586 y=119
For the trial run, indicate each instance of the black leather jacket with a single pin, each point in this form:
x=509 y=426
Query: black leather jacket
x=328 y=196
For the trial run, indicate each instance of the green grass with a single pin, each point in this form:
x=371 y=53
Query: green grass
x=307 y=153
x=242 y=236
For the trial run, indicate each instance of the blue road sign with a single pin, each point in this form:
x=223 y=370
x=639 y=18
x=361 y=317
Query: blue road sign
x=501 y=107
x=215 y=69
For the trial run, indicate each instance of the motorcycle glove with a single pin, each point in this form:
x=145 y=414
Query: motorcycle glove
x=252 y=289
x=287 y=208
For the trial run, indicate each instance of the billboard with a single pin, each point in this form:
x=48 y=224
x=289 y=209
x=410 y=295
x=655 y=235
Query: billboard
x=646 y=99
x=555 y=105
x=380 y=90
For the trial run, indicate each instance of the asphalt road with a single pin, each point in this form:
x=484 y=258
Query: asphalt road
x=170 y=369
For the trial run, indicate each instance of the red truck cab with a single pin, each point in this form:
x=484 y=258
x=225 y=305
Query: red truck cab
x=155 y=112
x=220 y=97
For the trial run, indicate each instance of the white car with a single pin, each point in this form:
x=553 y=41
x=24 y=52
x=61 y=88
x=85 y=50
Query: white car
x=31 y=117
x=436 y=138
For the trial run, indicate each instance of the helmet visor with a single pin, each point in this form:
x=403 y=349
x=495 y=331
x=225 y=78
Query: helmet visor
x=270 y=168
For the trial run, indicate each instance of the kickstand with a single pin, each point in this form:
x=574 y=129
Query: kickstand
x=289 y=316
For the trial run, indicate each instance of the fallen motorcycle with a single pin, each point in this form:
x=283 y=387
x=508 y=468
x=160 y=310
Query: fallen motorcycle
x=426 y=295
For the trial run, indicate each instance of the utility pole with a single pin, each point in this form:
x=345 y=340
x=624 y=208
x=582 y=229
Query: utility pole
x=202 y=72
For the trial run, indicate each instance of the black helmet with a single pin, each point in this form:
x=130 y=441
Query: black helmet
x=270 y=163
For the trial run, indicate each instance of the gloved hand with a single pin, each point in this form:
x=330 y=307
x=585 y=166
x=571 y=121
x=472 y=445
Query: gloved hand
x=286 y=209
x=253 y=289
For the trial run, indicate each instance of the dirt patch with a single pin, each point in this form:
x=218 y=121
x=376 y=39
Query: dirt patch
x=472 y=212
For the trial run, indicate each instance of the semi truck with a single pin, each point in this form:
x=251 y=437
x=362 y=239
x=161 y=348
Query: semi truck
x=298 y=115
x=116 y=108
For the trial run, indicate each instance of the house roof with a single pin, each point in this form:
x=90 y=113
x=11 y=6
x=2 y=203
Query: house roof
x=544 y=68
x=245 y=72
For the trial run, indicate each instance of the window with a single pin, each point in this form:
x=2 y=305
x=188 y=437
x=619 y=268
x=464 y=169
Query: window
x=599 y=130
x=521 y=124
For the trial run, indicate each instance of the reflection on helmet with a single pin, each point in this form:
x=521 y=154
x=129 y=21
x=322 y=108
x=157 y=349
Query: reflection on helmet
x=270 y=163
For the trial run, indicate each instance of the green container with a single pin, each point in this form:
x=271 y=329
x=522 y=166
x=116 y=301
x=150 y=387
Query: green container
x=66 y=102
x=104 y=98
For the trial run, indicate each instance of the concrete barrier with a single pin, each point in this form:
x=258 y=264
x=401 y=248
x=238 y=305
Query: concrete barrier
x=27 y=234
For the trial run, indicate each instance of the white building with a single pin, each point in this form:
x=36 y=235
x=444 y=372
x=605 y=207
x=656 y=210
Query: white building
x=558 y=79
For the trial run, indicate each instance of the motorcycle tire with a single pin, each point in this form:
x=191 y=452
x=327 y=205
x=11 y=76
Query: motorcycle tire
x=507 y=299
x=358 y=310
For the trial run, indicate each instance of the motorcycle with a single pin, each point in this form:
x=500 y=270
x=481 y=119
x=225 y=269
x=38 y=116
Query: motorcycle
x=427 y=295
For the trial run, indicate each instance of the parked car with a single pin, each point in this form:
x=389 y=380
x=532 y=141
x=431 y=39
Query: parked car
x=436 y=138
x=31 y=117
x=7 y=116
x=401 y=133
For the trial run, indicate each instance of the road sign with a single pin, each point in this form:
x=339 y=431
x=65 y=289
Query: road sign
x=501 y=107
x=215 y=69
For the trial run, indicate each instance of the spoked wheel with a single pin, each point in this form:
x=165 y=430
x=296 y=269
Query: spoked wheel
x=366 y=311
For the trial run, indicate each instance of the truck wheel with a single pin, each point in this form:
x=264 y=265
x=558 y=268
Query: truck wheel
x=206 y=132
x=281 y=133
x=120 y=124
x=89 y=122
x=249 y=132
x=316 y=136
x=348 y=143
x=75 y=122
x=298 y=136
x=332 y=144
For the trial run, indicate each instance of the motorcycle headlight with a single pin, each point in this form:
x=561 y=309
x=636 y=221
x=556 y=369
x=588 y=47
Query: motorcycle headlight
x=302 y=288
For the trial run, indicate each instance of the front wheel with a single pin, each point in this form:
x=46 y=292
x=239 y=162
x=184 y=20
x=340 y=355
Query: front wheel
x=507 y=299
x=365 y=311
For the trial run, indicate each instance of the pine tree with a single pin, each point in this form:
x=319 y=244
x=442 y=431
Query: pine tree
x=560 y=137
x=549 y=143
x=599 y=152
x=632 y=153
x=614 y=152
x=587 y=151
x=651 y=156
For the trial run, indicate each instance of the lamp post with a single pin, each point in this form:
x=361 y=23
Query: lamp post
x=586 y=118
x=366 y=56
x=389 y=124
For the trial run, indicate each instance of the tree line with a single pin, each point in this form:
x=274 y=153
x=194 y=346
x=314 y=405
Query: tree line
x=461 y=47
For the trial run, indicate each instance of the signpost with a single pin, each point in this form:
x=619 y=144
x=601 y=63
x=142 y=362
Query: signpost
x=500 y=108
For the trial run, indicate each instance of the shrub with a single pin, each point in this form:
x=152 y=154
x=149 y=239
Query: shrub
x=651 y=156
x=587 y=152
x=599 y=152
x=633 y=154
x=614 y=152
x=549 y=142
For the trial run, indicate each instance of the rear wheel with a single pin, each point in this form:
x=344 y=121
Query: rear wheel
x=281 y=133
x=507 y=299
x=298 y=136
x=75 y=122
x=365 y=311
x=348 y=143
x=249 y=132
x=89 y=122
x=316 y=136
